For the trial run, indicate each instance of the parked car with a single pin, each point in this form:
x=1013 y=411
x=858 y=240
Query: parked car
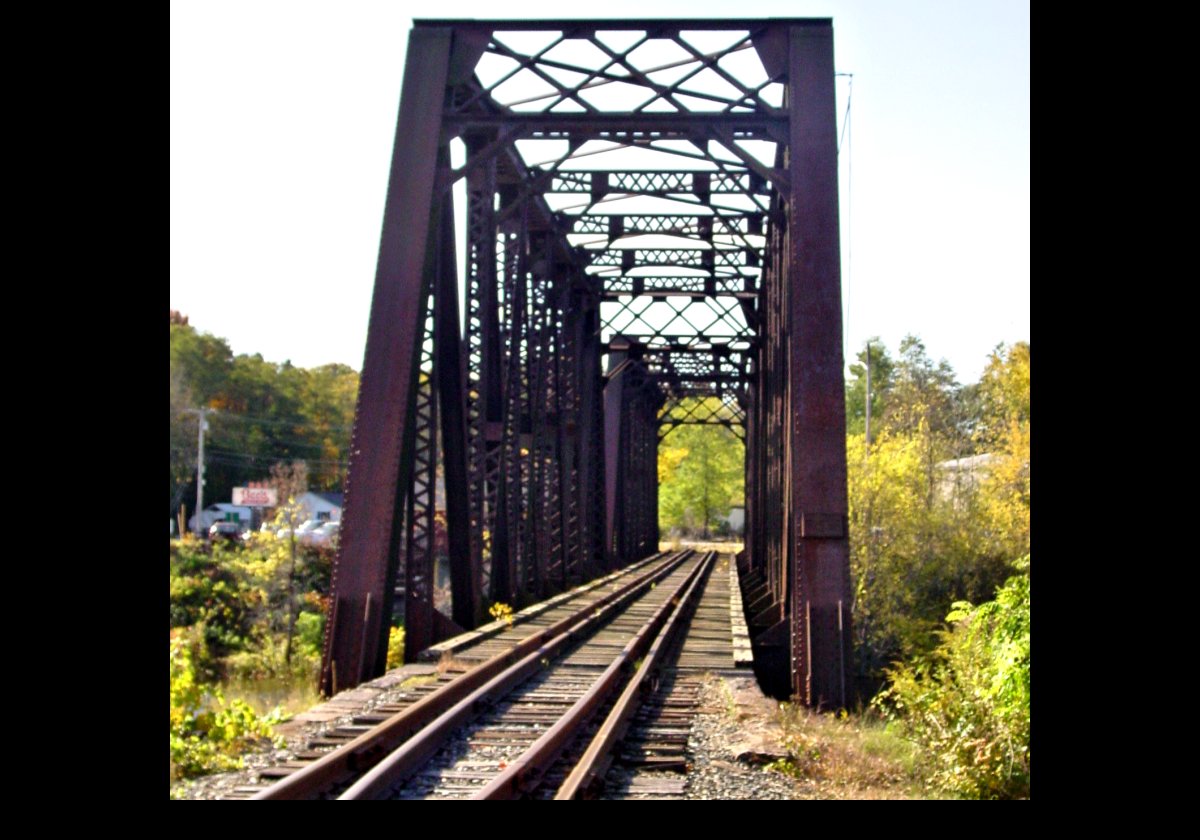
x=305 y=532
x=327 y=534
x=220 y=512
x=225 y=530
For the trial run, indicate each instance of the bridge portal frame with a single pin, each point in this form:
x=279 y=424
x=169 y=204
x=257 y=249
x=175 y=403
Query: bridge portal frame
x=517 y=412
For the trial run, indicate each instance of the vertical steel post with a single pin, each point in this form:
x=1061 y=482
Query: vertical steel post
x=820 y=567
x=591 y=442
x=464 y=566
x=614 y=474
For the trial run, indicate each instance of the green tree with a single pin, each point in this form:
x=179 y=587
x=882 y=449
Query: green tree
x=264 y=413
x=1004 y=392
x=327 y=399
x=924 y=532
x=701 y=471
x=882 y=373
x=200 y=365
x=1004 y=431
x=921 y=391
x=967 y=702
x=291 y=482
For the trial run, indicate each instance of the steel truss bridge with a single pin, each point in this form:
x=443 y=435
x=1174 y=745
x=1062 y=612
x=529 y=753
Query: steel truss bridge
x=651 y=217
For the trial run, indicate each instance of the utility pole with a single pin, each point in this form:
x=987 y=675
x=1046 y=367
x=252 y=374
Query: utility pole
x=200 y=469
x=868 y=394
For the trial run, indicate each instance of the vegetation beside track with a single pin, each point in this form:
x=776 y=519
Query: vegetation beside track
x=246 y=631
x=927 y=543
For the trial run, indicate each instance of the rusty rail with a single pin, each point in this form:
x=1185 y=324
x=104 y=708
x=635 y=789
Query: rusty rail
x=369 y=748
x=526 y=771
x=413 y=753
x=589 y=770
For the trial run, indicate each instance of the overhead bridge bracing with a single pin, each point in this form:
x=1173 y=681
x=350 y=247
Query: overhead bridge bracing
x=649 y=211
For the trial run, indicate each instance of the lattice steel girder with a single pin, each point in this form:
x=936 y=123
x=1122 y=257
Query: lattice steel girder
x=659 y=182
x=612 y=224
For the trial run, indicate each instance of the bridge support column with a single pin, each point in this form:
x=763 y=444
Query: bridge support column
x=820 y=561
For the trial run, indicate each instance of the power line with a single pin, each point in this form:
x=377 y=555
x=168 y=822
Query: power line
x=266 y=421
x=849 y=205
x=249 y=418
x=229 y=456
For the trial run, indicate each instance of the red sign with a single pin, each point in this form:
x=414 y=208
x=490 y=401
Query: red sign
x=255 y=496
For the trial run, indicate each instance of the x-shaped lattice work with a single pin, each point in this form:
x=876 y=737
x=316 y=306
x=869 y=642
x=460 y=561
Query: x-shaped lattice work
x=649 y=215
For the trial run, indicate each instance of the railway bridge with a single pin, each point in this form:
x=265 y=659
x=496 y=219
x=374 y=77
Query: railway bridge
x=589 y=224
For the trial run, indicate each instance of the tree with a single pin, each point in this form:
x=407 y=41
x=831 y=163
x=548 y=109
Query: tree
x=291 y=482
x=183 y=440
x=1004 y=392
x=921 y=392
x=264 y=413
x=920 y=538
x=882 y=373
x=1004 y=429
x=327 y=398
x=701 y=471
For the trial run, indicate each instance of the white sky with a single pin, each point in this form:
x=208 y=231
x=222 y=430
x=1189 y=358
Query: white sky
x=282 y=121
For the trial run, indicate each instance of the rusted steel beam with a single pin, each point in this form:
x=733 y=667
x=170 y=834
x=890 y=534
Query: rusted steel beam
x=614 y=473
x=364 y=571
x=465 y=583
x=592 y=481
x=485 y=387
x=820 y=567
x=631 y=126
x=655 y=27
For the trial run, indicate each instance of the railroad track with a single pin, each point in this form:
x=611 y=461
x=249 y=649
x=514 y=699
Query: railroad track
x=535 y=711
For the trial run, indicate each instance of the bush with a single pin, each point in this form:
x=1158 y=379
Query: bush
x=395 y=654
x=310 y=634
x=967 y=703
x=207 y=733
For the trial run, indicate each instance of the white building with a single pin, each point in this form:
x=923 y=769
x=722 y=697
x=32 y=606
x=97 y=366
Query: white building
x=221 y=511
x=321 y=506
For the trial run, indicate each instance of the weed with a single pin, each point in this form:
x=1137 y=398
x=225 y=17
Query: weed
x=208 y=733
x=419 y=679
x=731 y=709
x=855 y=752
x=395 y=654
x=501 y=612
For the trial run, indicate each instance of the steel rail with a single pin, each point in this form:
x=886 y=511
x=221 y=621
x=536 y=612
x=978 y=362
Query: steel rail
x=592 y=766
x=410 y=756
x=369 y=748
x=525 y=772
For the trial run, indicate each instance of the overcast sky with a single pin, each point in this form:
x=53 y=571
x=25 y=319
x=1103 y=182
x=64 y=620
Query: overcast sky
x=282 y=120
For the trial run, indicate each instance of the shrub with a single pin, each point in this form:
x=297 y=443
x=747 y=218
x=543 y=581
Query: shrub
x=206 y=591
x=967 y=703
x=501 y=612
x=207 y=733
x=310 y=634
x=395 y=656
